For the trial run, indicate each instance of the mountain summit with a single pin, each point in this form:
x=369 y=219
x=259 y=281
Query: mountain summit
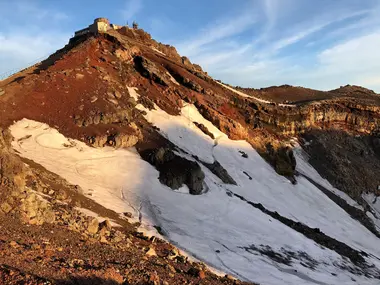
x=122 y=162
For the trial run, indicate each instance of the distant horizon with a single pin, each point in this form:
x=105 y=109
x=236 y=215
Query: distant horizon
x=247 y=43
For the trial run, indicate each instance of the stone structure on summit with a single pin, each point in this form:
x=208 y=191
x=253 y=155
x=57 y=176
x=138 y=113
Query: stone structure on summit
x=100 y=25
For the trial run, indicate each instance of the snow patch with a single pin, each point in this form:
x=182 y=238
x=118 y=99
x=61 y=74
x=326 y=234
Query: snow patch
x=158 y=51
x=253 y=97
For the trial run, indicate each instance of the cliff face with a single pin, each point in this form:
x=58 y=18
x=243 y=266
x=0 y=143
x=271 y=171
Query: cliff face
x=339 y=114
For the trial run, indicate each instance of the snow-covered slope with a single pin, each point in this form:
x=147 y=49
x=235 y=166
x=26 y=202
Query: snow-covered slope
x=242 y=94
x=218 y=227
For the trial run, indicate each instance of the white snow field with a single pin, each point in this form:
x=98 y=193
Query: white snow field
x=215 y=227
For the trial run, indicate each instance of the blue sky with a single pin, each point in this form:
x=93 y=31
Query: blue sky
x=321 y=44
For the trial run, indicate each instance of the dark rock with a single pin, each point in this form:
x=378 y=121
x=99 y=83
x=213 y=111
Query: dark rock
x=243 y=154
x=149 y=70
x=219 y=171
x=194 y=86
x=106 y=224
x=315 y=234
x=196 y=272
x=204 y=129
x=186 y=61
x=186 y=81
x=175 y=171
x=282 y=159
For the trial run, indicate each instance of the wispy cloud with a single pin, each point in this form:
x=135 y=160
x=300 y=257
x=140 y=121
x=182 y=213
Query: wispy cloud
x=356 y=54
x=223 y=29
x=132 y=8
x=221 y=59
x=322 y=24
x=39 y=12
x=297 y=43
x=24 y=42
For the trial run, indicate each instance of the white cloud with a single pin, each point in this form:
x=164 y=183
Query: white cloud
x=14 y=45
x=356 y=61
x=222 y=30
x=24 y=44
x=271 y=8
x=343 y=60
x=18 y=51
x=132 y=8
x=223 y=58
x=355 y=53
x=320 y=25
x=32 y=10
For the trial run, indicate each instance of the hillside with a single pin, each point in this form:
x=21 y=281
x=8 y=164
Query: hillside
x=122 y=162
x=300 y=95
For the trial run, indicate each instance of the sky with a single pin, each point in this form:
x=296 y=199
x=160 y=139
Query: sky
x=321 y=44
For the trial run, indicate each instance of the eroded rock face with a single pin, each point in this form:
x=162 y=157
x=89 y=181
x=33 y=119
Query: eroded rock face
x=219 y=171
x=350 y=163
x=294 y=120
x=283 y=160
x=125 y=115
x=176 y=171
x=149 y=70
x=117 y=140
x=204 y=129
x=187 y=82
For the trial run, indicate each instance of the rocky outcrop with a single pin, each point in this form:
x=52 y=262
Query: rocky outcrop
x=114 y=140
x=187 y=82
x=125 y=116
x=149 y=70
x=282 y=159
x=315 y=234
x=292 y=120
x=354 y=212
x=204 y=129
x=351 y=163
x=220 y=172
x=176 y=171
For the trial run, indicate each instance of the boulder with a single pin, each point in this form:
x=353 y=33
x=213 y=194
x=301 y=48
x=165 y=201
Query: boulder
x=117 y=94
x=220 y=171
x=106 y=224
x=79 y=76
x=204 y=129
x=5 y=207
x=186 y=62
x=93 y=226
x=122 y=54
x=176 y=171
x=125 y=140
x=2 y=92
x=151 y=252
